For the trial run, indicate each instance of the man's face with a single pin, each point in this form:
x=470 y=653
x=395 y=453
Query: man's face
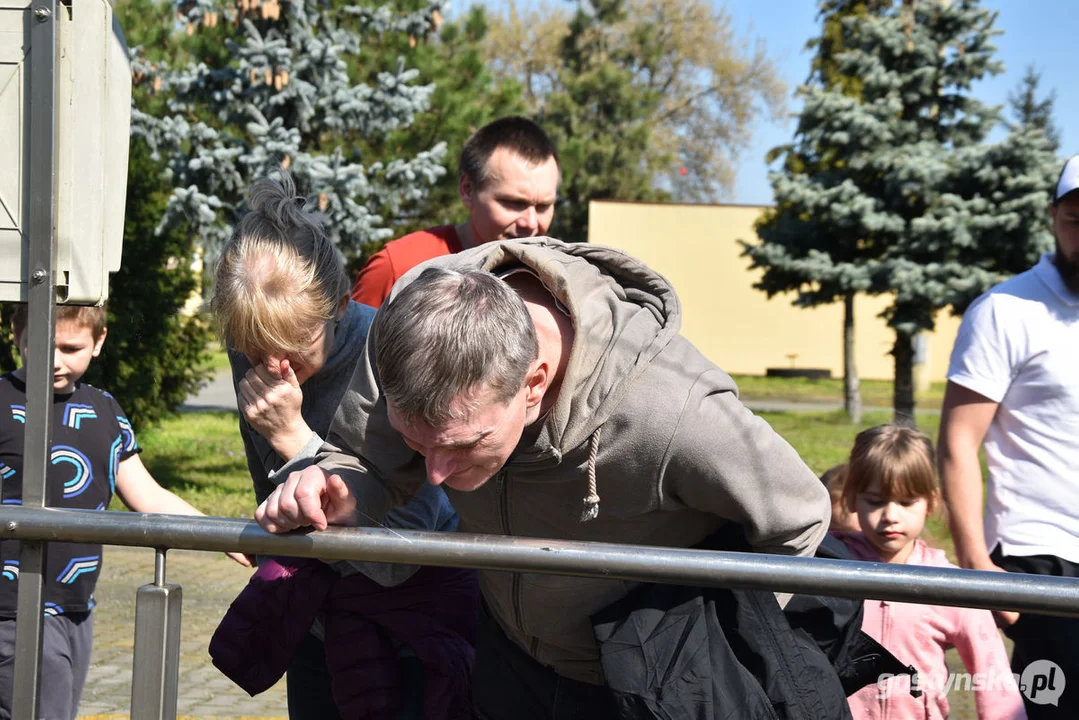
x=75 y=348
x=1066 y=229
x=464 y=454
x=517 y=201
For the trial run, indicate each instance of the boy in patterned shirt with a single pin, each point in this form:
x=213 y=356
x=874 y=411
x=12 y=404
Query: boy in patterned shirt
x=93 y=455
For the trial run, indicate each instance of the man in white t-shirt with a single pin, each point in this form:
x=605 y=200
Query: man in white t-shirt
x=1013 y=385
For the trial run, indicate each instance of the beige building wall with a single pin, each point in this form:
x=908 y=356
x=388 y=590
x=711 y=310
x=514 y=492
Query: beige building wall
x=737 y=327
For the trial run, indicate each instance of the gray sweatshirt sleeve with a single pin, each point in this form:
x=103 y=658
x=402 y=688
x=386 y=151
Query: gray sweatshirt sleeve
x=726 y=461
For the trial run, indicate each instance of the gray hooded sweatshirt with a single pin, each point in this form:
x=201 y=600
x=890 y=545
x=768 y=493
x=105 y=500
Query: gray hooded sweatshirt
x=647 y=443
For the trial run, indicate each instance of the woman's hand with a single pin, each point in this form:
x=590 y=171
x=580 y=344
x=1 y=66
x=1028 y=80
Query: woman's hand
x=270 y=400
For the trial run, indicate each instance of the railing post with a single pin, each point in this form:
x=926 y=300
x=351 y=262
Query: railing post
x=155 y=675
x=41 y=297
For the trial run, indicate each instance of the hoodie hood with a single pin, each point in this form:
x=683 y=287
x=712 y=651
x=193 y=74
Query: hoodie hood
x=624 y=314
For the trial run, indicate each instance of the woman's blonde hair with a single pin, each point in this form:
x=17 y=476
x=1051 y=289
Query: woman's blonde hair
x=901 y=457
x=279 y=277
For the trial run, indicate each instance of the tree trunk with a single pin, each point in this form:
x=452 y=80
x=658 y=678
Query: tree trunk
x=903 y=400
x=852 y=396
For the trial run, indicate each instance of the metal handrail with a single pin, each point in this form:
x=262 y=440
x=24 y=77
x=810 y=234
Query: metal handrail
x=155 y=676
x=844 y=578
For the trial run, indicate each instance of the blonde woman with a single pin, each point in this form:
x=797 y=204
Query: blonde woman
x=281 y=299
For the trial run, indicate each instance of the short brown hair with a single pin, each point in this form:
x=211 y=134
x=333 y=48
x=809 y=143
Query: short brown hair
x=519 y=135
x=447 y=336
x=900 y=456
x=280 y=275
x=89 y=316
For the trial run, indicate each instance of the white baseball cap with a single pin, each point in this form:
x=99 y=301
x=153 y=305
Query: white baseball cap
x=1068 y=180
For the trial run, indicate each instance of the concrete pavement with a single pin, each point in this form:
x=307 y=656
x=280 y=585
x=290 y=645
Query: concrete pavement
x=217 y=395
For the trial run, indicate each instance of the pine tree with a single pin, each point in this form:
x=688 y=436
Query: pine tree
x=598 y=119
x=273 y=86
x=648 y=99
x=1029 y=111
x=912 y=203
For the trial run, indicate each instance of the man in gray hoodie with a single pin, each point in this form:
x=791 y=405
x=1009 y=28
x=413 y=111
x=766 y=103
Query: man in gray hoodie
x=547 y=388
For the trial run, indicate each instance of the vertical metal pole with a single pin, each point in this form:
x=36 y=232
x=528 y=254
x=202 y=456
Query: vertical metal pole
x=155 y=675
x=40 y=327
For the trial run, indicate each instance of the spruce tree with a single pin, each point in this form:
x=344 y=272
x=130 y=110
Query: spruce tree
x=274 y=85
x=812 y=153
x=913 y=203
x=1030 y=111
x=599 y=120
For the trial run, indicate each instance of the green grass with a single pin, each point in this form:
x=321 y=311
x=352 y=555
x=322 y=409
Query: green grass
x=875 y=393
x=200 y=457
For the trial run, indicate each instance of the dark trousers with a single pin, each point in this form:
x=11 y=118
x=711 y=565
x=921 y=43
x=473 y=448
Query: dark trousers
x=310 y=686
x=508 y=684
x=66 y=640
x=1045 y=637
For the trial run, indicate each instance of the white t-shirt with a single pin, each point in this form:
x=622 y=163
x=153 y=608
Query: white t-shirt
x=1018 y=345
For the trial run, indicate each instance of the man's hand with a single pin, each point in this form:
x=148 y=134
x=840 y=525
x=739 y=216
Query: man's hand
x=308 y=498
x=1004 y=618
x=270 y=400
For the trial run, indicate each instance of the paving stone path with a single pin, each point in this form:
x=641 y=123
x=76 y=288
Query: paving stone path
x=210 y=582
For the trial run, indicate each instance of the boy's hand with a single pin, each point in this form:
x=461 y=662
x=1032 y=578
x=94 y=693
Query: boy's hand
x=307 y=498
x=270 y=400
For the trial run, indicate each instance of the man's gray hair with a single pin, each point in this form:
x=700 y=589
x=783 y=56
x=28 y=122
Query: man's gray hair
x=447 y=336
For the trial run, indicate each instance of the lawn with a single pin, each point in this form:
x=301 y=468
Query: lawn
x=875 y=393
x=200 y=457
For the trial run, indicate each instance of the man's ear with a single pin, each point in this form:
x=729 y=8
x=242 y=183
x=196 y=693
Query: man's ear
x=466 y=189
x=539 y=379
x=100 y=342
x=342 y=307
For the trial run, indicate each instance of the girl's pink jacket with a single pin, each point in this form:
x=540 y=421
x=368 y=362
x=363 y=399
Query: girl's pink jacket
x=919 y=635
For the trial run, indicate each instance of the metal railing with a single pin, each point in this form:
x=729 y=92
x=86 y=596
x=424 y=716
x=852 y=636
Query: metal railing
x=157 y=622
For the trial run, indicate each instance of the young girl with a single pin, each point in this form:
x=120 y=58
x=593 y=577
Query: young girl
x=891 y=485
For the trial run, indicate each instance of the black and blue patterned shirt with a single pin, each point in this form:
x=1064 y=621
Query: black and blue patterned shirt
x=90 y=438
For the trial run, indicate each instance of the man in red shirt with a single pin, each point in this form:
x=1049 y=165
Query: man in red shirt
x=508 y=180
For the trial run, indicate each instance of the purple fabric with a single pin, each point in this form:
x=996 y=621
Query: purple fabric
x=433 y=613
x=255 y=641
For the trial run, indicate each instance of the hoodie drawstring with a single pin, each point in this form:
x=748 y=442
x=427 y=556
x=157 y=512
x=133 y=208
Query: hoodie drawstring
x=591 y=503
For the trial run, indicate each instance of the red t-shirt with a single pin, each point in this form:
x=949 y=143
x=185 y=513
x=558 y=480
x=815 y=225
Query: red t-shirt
x=398 y=257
